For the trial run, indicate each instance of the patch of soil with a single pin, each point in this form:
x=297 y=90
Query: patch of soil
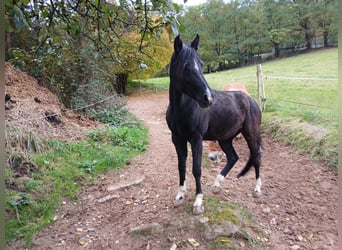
x=21 y=171
x=24 y=169
x=297 y=209
x=34 y=109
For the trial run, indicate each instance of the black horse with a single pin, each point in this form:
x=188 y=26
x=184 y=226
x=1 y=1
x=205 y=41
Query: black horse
x=196 y=113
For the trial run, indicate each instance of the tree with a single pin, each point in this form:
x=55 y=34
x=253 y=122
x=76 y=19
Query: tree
x=280 y=22
x=306 y=20
x=237 y=32
x=325 y=14
x=64 y=29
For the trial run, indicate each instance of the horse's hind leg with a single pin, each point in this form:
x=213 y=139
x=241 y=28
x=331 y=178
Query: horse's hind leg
x=232 y=157
x=255 y=147
x=181 y=149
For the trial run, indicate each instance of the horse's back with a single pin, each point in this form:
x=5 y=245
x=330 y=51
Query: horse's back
x=230 y=103
x=227 y=114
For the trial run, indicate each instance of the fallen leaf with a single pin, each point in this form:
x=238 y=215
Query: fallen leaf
x=83 y=242
x=129 y=202
x=174 y=246
x=311 y=237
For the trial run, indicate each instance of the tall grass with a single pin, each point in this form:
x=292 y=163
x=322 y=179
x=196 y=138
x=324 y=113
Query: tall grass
x=297 y=110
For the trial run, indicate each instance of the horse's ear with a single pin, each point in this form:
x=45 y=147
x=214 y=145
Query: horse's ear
x=195 y=42
x=178 y=44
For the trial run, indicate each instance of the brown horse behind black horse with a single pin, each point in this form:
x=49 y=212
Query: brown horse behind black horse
x=196 y=113
x=213 y=146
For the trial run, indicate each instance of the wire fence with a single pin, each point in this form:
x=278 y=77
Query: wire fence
x=262 y=95
x=300 y=78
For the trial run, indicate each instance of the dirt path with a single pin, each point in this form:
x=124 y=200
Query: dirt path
x=296 y=211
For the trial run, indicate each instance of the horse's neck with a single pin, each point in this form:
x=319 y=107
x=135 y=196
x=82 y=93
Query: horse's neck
x=175 y=97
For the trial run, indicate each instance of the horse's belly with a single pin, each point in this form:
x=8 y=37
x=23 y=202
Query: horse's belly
x=222 y=132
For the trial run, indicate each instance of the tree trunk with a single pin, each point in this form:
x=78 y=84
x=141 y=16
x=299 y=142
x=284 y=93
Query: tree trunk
x=276 y=50
x=308 y=40
x=121 y=83
x=325 y=38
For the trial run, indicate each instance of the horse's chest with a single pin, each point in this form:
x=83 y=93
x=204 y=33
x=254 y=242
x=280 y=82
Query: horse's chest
x=185 y=124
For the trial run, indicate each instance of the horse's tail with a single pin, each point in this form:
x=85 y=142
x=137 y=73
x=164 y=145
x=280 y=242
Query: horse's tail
x=252 y=133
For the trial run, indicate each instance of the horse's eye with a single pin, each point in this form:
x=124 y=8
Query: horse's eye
x=186 y=66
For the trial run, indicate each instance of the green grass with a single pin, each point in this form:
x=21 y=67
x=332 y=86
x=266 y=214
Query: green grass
x=61 y=172
x=306 y=108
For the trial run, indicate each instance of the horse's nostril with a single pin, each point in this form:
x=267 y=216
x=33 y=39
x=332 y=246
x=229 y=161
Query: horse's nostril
x=207 y=100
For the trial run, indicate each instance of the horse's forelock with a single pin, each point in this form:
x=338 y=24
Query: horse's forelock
x=186 y=55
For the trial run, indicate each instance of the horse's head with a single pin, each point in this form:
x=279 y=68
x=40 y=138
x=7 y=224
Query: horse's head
x=186 y=72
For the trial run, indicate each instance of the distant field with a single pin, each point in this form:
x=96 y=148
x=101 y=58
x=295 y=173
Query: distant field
x=301 y=112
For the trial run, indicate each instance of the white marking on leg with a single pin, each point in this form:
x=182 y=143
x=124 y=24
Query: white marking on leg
x=198 y=205
x=180 y=195
x=217 y=183
x=258 y=186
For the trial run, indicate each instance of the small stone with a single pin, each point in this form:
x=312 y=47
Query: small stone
x=79 y=229
x=266 y=210
x=287 y=230
x=294 y=247
x=300 y=238
x=204 y=220
x=148 y=229
x=273 y=222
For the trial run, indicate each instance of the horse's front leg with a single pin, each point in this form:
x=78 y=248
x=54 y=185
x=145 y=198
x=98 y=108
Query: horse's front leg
x=181 y=150
x=197 y=148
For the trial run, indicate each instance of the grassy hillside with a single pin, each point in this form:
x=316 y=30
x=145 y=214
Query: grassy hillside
x=300 y=112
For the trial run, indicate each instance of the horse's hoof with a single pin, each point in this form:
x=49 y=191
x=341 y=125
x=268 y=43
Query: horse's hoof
x=216 y=189
x=213 y=156
x=198 y=210
x=256 y=194
x=179 y=202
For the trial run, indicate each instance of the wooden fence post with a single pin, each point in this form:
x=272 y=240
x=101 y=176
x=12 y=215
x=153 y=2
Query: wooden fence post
x=261 y=89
